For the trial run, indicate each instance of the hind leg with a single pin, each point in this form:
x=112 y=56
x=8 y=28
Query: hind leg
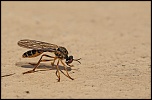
x=40 y=60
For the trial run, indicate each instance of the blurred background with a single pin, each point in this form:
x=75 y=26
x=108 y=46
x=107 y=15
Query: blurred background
x=112 y=38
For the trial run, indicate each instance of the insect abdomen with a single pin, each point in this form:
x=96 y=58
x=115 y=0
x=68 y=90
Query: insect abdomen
x=32 y=53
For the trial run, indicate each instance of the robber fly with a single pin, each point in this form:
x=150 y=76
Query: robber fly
x=39 y=47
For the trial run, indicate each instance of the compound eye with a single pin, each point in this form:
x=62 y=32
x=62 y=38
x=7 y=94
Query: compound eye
x=71 y=57
x=69 y=60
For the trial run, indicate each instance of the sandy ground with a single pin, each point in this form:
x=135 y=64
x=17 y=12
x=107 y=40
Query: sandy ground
x=112 y=38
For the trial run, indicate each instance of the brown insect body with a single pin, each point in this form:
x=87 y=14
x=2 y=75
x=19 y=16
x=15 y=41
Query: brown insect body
x=32 y=53
x=39 y=47
x=61 y=53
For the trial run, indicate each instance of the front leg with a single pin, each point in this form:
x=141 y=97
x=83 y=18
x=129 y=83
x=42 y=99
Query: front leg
x=70 y=65
x=66 y=71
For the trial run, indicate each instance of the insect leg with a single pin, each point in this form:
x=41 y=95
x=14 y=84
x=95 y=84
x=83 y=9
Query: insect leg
x=57 y=71
x=44 y=60
x=63 y=73
x=52 y=63
x=66 y=71
x=31 y=71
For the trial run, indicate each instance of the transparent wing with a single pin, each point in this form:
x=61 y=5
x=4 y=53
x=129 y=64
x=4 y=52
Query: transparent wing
x=33 y=44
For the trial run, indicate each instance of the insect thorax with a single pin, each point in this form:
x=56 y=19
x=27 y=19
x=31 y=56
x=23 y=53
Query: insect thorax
x=61 y=53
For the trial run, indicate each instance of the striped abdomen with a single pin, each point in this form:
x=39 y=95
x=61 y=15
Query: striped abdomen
x=32 y=53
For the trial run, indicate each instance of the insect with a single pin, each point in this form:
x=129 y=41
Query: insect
x=39 y=47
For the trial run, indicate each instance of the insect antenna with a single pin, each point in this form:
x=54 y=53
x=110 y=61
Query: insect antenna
x=77 y=60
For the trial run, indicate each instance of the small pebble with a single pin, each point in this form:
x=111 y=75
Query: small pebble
x=27 y=92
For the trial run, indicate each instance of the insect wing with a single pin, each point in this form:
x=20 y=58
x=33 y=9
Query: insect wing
x=33 y=44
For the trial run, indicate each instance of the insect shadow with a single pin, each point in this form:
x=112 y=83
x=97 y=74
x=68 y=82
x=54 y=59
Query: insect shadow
x=41 y=67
